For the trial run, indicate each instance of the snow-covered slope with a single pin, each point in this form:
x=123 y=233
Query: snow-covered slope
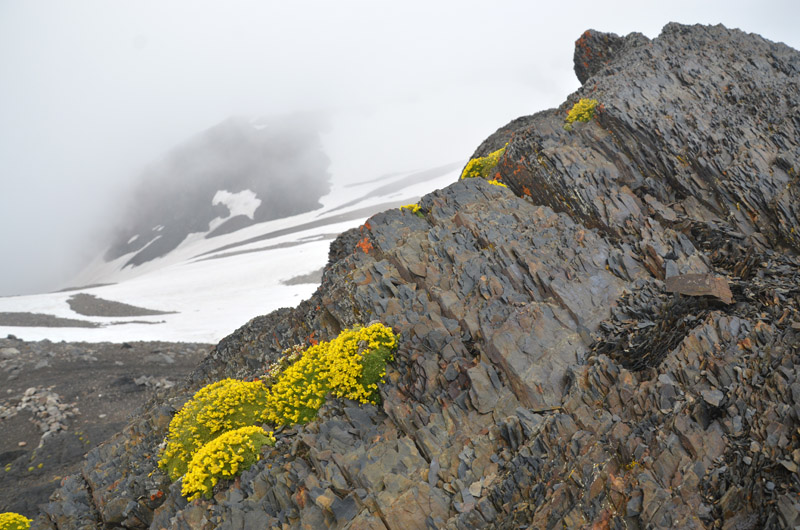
x=212 y=286
x=232 y=175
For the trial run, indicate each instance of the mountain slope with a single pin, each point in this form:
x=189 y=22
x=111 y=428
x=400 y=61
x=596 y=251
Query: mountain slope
x=610 y=343
x=231 y=176
x=206 y=286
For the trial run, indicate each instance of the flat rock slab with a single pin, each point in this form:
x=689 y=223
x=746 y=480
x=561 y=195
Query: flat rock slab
x=700 y=285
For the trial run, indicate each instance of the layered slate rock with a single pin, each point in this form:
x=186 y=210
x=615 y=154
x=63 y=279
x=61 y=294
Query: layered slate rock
x=548 y=374
x=595 y=50
x=698 y=125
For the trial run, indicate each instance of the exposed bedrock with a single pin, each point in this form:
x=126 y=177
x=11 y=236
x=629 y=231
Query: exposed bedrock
x=611 y=343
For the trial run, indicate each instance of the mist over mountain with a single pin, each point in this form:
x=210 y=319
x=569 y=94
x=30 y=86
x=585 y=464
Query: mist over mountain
x=233 y=175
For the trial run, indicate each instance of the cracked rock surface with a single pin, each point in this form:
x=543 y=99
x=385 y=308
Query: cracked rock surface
x=612 y=342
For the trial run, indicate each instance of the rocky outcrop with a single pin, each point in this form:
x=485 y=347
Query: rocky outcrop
x=697 y=126
x=610 y=343
x=595 y=50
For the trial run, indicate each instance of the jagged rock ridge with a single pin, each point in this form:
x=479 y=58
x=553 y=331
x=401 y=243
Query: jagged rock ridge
x=547 y=376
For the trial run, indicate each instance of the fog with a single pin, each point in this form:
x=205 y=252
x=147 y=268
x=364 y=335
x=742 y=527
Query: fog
x=92 y=92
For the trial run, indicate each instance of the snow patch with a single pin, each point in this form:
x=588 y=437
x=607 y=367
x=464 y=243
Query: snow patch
x=134 y=238
x=215 y=291
x=243 y=203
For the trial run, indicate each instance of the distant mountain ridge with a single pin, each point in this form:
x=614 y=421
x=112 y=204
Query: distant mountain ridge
x=235 y=174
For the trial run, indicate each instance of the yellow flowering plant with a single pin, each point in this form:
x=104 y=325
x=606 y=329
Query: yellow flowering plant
x=416 y=209
x=497 y=183
x=286 y=359
x=14 y=521
x=214 y=409
x=216 y=434
x=349 y=366
x=223 y=458
x=482 y=167
x=582 y=111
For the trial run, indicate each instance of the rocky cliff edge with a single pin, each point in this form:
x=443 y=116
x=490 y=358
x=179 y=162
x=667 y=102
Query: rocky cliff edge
x=611 y=342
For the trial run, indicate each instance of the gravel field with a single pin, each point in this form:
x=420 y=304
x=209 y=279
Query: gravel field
x=58 y=400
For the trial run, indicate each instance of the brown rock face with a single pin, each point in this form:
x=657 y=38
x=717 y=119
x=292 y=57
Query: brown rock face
x=700 y=285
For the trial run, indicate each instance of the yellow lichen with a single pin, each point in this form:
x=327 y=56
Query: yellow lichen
x=483 y=166
x=497 y=183
x=214 y=409
x=14 y=521
x=223 y=458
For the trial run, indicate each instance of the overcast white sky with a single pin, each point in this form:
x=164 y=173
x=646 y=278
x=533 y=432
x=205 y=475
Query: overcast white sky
x=91 y=91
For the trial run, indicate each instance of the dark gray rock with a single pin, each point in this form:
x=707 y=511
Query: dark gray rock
x=595 y=50
x=546 y=376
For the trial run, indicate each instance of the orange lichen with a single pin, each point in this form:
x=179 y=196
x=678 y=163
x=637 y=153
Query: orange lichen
x=365 y=245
